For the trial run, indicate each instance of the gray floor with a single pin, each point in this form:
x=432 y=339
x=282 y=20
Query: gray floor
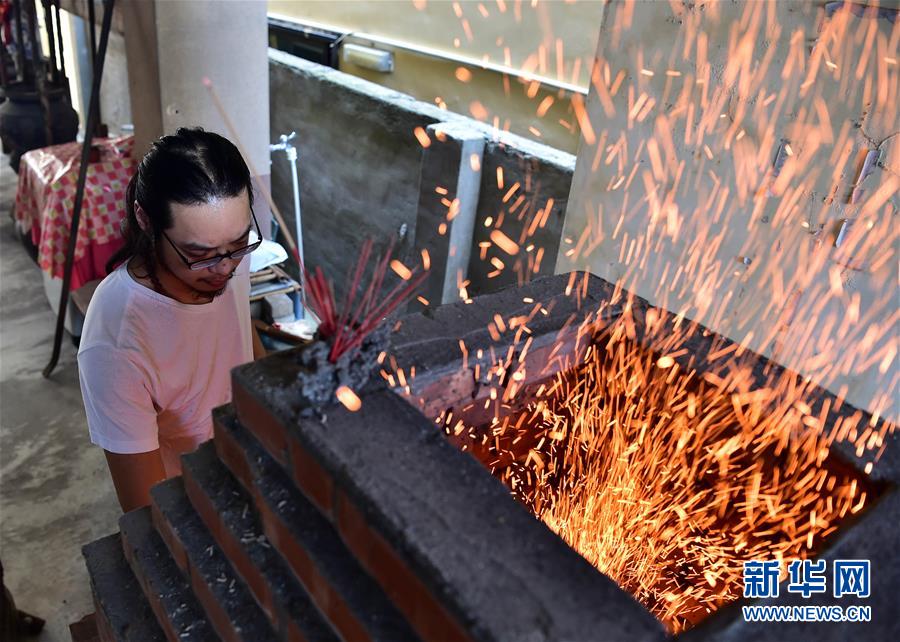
x=55 y=491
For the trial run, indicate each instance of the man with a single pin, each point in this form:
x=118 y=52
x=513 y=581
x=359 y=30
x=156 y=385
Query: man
x=165 y=327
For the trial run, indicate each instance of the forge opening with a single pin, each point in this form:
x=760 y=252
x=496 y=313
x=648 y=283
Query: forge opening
x=665 y=480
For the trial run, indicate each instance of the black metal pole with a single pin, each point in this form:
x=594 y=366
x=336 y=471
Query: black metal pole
x=93 y=30
x=51 y=39
x=93 y=113
x=93 y=38
x=59 y=39
x=40 y=74
x=20 y=40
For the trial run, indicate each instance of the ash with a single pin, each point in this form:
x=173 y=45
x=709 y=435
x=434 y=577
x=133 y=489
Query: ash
x=319 y=378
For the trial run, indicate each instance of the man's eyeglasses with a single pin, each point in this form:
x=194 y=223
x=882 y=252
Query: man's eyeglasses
x=212 y=261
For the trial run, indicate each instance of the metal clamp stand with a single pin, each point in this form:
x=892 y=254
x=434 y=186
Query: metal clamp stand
x=291 y=152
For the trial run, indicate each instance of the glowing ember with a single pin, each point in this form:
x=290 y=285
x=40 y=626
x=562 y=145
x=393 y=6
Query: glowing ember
x=463 y=75
x=348 y=398
x=504 y=242
x=401 y=270
x=422 y=137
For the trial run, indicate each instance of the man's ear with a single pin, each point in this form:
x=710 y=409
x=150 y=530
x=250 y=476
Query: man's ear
x=142 y=218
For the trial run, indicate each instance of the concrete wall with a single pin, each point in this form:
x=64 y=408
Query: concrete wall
x=544 y=175
x=360 y=168
x=507 y=100
x=358 y=160
x=677 y=197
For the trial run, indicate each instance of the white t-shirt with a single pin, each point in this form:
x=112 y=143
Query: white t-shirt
x=152 y=368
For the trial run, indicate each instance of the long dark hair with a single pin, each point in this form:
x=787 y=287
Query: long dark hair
x=190 y=167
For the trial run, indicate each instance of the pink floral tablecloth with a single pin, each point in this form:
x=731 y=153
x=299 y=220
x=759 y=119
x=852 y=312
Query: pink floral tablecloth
x=45 y=199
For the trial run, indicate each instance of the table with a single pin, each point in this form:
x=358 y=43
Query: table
x=45 y=199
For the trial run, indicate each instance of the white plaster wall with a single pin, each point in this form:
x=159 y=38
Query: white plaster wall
x=675 y=197
x=226 y=42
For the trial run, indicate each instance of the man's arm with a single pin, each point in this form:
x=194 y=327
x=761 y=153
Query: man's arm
x=134 y=475
x=122 y=420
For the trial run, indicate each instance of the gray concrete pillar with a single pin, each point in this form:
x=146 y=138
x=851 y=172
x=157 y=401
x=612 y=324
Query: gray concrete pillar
x=173 y=46
x=449 y=186
x=143 y=72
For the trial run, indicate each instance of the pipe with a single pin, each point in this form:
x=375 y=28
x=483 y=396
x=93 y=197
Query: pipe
x=291 y=152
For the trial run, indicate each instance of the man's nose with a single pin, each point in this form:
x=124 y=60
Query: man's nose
x=223 y=267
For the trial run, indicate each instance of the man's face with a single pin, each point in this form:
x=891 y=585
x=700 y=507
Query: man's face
x=203 y=231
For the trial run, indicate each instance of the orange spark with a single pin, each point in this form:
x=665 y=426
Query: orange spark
x=401 y=270
x=422 y=136
x=478 y=111
x=462 y=74
x=348 y=398
x=504 y=242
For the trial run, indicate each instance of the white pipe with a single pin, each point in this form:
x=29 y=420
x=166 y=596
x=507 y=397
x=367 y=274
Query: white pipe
x=291 y=152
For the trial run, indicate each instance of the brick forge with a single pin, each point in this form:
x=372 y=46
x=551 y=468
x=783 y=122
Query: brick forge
x=372 y=525
x=447 y=382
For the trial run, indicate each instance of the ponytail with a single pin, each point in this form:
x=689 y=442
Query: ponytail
x=137 y=242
